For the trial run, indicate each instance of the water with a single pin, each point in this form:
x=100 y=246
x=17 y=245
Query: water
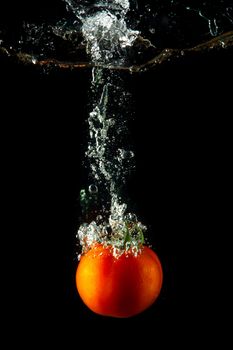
x=112 y=35
x=107 y=37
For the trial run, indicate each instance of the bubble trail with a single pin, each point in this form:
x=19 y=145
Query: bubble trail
x=108 y=41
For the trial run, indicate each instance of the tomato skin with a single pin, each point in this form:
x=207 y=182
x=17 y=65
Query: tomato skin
x=118 y=287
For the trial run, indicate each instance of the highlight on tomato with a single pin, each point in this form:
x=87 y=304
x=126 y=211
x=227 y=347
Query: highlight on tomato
x=117 y=275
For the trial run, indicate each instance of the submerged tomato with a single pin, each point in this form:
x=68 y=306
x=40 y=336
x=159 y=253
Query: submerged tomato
x=118 y=286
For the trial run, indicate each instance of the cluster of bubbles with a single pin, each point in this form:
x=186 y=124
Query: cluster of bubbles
x=122 y=232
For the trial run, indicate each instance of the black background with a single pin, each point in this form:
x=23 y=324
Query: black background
x=181 y=137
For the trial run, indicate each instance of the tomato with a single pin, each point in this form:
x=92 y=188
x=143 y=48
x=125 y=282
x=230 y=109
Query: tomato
x=120 y=286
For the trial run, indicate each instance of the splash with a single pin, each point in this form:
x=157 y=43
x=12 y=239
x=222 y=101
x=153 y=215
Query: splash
x=104 y=29
x=107 y=37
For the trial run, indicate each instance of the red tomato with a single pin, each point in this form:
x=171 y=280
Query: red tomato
x=118 y=286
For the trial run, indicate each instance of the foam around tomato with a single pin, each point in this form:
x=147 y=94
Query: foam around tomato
x=120 y=286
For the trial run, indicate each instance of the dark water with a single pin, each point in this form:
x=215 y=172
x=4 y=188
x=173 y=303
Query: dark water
x=181 y=135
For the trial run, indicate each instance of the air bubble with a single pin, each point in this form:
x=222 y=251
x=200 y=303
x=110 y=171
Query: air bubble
x=99 y=218
x=93 y=189
x=125 y=154
x=131 y=217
